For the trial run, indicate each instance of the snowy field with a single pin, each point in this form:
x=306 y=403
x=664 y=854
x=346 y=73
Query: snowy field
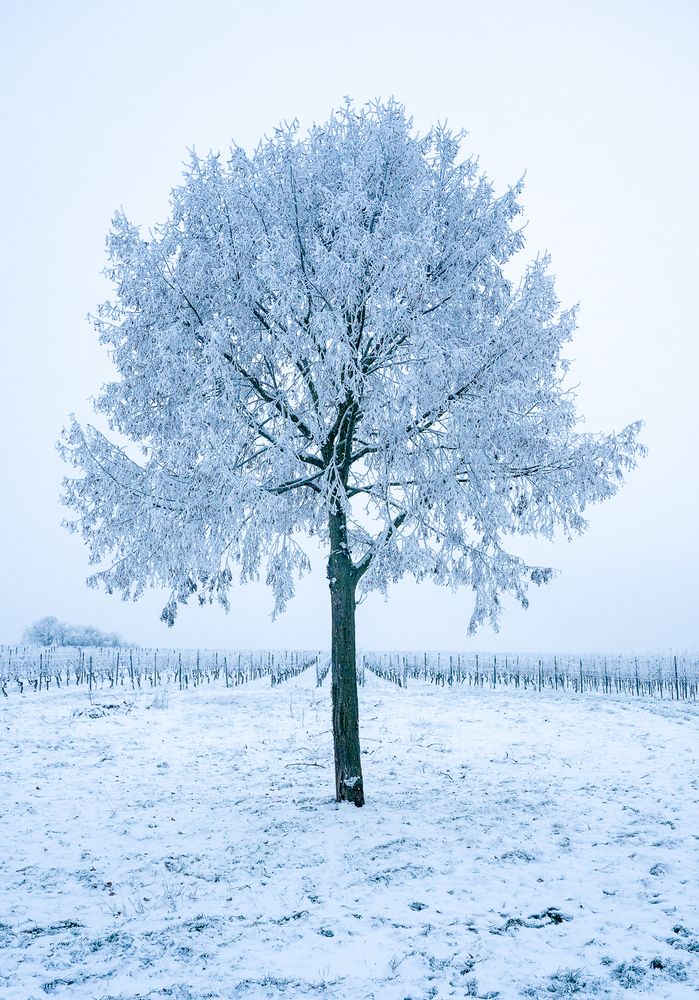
x=186 y=844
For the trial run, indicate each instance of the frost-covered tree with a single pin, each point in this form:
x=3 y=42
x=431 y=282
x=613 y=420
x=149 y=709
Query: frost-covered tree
x=88 y=635
x=49 y=631
x=323 y=340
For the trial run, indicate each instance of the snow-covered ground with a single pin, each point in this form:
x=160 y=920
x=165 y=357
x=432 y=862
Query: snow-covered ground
x=187 y=845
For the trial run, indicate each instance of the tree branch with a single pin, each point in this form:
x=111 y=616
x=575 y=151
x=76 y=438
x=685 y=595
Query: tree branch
x=365 y=562
x=294 y=484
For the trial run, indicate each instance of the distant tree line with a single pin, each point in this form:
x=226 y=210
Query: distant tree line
x=49 y=631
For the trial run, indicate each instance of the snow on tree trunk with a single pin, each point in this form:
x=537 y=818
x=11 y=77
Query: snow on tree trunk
x=349 y=785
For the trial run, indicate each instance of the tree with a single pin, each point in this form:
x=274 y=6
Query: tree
x=88 y=635
x=47 y=631
x=323 y=340
x=50 y=631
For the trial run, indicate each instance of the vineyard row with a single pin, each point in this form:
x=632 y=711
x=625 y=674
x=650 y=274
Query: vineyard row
x=659 y=676
x=40 y=668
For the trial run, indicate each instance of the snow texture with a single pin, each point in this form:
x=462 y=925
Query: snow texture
x=186 y=844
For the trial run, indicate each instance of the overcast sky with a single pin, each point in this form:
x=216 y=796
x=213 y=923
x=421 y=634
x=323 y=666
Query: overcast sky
x=596 y=101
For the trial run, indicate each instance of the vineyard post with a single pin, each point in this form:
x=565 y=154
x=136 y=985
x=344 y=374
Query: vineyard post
x=677 y=683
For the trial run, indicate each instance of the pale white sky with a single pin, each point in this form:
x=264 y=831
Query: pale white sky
x=596 y=101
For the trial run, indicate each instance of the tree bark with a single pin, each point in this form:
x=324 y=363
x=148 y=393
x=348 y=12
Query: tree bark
x=349 y=784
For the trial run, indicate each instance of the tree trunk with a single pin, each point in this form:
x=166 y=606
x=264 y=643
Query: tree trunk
x=349 y=786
